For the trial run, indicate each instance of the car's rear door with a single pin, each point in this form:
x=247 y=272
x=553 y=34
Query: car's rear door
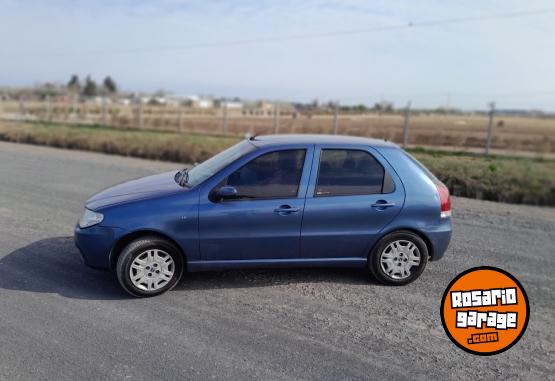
x=353 y=194
x=264 y=222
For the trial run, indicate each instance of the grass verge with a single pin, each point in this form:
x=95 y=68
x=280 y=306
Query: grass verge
x=148 y=144
x=495 y=178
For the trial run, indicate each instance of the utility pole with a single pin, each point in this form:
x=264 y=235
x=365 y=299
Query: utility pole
x=335 y=124
x=276 y=118
x=406 y=125
x=224 y=120
x=490 y=126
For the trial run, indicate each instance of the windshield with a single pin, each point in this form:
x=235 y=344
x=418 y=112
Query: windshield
x=210 y=167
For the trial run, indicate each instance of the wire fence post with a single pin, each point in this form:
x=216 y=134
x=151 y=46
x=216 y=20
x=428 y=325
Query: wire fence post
x=22 y=110
x=140 y=114
x=335 y=122
x=276 y=118
x=224 y=118
x=490 y=126
x=48 y=109
x=406 y=125
x=74 y=106
x=180 y=118
x=104 y=112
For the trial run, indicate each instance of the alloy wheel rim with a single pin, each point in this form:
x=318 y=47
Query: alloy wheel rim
x=399 y=258
x=152 y=270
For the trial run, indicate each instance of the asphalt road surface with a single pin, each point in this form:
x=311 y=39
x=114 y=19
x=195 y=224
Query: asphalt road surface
x=60 y=320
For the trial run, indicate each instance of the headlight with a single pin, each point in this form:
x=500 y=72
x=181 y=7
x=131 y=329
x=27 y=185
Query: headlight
x=90 y=218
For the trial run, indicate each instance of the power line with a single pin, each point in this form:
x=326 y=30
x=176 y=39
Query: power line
x=311 y=36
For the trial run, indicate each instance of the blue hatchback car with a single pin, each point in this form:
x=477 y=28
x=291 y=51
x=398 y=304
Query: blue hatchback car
x=272 y=201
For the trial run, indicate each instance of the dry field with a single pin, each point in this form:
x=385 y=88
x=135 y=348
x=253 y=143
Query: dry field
x=527 y=180
x=460 y=132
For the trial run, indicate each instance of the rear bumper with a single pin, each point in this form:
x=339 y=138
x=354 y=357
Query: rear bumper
x=440 y=239
x=95 y=243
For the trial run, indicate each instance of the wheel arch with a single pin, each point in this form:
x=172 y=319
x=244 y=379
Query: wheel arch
x=419 y=233
x=129 y=237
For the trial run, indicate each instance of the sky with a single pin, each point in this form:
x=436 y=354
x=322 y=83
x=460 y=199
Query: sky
x=290 y=49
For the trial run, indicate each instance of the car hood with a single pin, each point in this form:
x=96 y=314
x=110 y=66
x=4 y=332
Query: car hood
x=146 y=187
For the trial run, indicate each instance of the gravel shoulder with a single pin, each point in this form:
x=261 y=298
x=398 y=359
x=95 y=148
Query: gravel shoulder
x=60 y=320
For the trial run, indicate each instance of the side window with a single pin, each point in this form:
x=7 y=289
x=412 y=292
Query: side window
x=350 y=172
x=272 y=175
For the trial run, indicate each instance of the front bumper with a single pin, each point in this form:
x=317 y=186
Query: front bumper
x=95 y=243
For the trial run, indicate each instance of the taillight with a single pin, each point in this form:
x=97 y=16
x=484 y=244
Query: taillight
x=444 y=200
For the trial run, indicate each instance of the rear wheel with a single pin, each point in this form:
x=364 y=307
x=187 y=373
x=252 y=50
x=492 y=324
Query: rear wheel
x=149 y=266
x=399 y=258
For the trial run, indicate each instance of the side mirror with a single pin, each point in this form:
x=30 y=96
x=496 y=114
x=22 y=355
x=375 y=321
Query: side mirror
x=227 y=192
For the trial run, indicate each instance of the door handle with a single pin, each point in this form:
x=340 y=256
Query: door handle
x=382 y=204
x=285 y=209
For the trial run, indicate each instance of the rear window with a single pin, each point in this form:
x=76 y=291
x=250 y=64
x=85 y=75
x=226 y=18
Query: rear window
x=350 y=172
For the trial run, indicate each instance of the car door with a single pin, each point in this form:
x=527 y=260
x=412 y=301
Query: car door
x=353 y=194
x=264 y=221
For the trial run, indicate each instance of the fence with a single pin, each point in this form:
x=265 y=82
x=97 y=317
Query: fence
x=478 y=132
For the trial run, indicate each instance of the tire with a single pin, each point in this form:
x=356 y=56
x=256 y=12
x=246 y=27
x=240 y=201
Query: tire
x=394 y=255
x=155 y=265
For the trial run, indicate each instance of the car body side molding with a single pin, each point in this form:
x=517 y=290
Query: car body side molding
x=275 y=263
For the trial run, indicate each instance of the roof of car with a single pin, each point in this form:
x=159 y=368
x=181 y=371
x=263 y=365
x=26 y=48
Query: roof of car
x=319 y=139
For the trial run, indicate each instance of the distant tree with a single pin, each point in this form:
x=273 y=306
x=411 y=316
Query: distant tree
x=332 y=104
x=161 y=93
x=46 y=90
x=89 y=89
x=383 y=106
x=110 y=85
x=360 y=108
x=74 y=83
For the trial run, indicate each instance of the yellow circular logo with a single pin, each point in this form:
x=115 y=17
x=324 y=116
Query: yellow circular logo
x=485 y=310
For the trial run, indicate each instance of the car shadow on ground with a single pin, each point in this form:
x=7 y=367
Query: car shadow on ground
x=53 y=265
x=273 y=277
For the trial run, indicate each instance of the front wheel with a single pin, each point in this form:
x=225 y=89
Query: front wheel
x=149 y=266
x=399 y=258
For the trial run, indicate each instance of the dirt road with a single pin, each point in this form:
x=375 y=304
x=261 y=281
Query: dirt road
x=60 y=320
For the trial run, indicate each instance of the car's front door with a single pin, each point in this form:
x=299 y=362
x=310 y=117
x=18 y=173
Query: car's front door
x=263 y=222
x=353 y=194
